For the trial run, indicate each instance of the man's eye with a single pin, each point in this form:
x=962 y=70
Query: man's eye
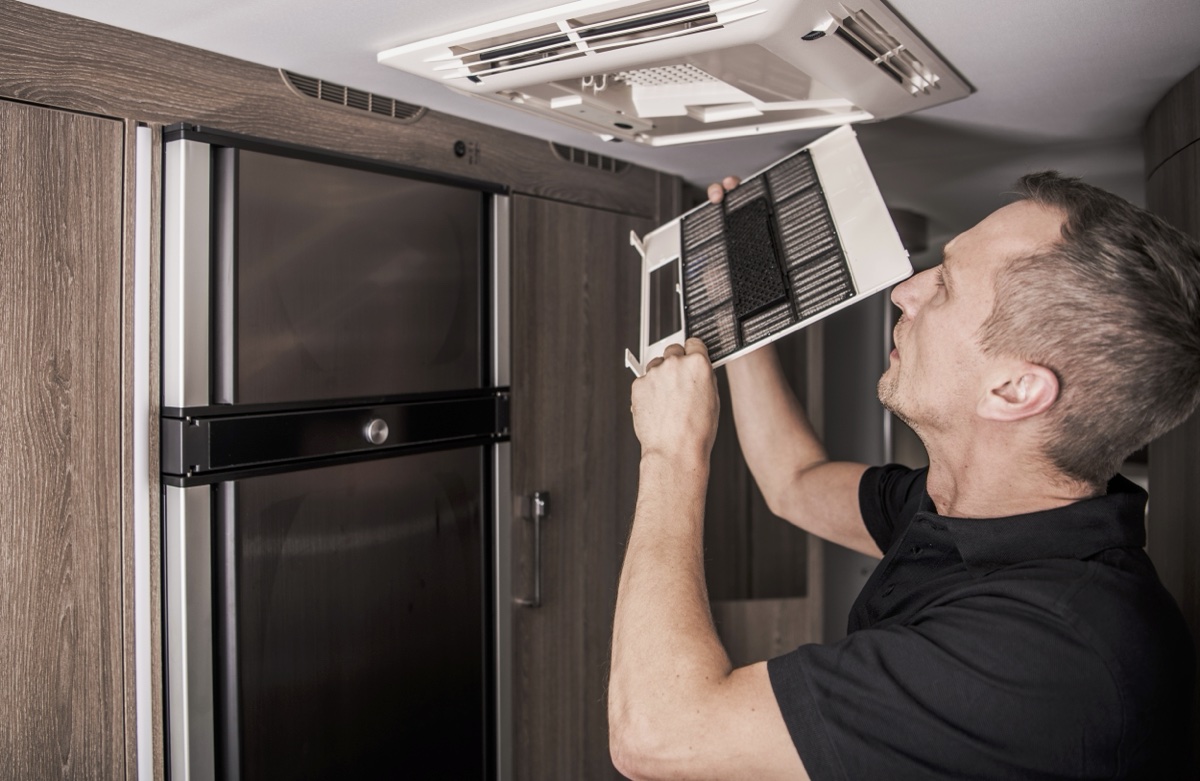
x=938 y=276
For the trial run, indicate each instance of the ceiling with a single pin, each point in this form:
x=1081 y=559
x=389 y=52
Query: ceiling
x=1064 y=84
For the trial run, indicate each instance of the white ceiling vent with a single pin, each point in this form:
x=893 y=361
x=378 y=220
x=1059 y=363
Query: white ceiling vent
x=676 y=71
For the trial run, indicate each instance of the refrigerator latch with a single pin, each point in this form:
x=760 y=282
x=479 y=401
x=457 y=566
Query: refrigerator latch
x=503 y=405
x=184 y=446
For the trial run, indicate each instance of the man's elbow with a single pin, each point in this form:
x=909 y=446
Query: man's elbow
x=637 y=749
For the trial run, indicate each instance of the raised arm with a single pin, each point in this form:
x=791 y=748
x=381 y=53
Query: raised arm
x=797 y=479
x=787 y=460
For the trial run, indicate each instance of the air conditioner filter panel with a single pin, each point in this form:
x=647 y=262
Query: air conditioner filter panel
x=792 y=244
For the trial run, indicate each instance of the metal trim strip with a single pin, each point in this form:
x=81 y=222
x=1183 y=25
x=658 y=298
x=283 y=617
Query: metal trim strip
x=502 y=550
x=185 y=278
x=501 y=291
x=144 y=709
x=187 y=573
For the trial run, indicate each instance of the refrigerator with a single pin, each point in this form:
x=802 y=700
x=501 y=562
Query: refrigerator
x=335 y=462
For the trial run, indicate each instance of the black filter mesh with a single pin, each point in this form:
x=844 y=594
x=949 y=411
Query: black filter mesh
x=753 y=259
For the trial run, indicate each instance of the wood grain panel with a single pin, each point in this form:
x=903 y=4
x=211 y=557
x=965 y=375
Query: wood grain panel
x=779 y=550
x=727 y=545
x=575 y=293
x=65 y=61
x=128 y=648
x=1173 y=192
x=756 y=630
x=1174 y=122
x=61 y=695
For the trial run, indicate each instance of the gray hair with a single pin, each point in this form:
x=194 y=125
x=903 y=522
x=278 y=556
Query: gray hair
x=1113 y=309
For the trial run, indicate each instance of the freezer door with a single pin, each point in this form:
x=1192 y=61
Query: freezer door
x=335 y=282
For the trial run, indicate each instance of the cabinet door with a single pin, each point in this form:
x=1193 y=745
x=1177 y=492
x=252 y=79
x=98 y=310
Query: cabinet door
x=61 y=693
x=575 y=297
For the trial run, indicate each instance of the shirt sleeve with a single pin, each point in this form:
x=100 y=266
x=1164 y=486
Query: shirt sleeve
x=888 y=497
x=965 y=693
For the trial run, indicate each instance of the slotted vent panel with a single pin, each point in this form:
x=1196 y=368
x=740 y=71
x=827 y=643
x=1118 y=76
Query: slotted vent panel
x=577 y=37
x=771 y=321
x=873 y=41
x=763 y=261
x=319 y=89
x=582 y=157
x=703 y=224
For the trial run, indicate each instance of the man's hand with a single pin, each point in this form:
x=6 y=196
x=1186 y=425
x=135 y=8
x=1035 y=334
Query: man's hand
x=675 y=405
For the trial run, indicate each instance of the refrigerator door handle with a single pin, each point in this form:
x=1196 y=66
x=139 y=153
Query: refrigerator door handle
x=539 y=508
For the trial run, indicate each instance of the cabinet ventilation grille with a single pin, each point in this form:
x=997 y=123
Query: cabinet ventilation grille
x=353 y=98
x=570 y=154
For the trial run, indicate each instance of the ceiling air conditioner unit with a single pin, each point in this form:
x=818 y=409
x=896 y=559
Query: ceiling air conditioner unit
x=672 y=71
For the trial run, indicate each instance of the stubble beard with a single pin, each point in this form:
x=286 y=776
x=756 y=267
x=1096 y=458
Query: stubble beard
x=886 y=390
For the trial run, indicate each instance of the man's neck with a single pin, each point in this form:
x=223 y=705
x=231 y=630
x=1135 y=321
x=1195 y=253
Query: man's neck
x=971 y=485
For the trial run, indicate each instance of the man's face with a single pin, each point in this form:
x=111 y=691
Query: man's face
x=937 y=372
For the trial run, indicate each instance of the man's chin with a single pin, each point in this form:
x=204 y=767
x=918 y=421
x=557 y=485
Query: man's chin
x=886 y=391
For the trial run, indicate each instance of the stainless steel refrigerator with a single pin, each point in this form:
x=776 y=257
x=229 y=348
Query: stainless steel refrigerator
x=334 y=450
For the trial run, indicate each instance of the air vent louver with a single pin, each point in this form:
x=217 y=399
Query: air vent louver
x=320 y=89
x=872 y=41
x=583 y=36
x=570 y=154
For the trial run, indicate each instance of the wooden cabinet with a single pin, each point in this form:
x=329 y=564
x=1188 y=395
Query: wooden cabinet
x=575 y=293
x=62 y=693
x=1173 y=192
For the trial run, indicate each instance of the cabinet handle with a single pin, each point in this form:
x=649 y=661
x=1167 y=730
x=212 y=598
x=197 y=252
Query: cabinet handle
x=539 y=508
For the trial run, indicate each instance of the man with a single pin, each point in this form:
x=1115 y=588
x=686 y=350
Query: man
x=1015 y=627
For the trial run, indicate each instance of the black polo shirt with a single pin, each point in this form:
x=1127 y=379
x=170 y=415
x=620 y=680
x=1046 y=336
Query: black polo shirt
x=1040 y=646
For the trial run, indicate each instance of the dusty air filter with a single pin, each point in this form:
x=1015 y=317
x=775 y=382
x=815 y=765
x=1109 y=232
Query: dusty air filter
x=795 y=242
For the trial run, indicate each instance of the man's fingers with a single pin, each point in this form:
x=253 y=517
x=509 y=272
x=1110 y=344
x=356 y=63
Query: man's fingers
x=694 y=345
x=674 y=350
x=716 y=190
x=653 y=363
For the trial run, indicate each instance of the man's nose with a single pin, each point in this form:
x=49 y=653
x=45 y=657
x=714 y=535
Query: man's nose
x=905 y=295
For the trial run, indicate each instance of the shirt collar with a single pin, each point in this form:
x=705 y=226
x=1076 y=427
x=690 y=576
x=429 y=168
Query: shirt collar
x=1075 y=531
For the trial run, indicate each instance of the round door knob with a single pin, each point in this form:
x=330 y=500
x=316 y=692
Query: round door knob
x=376 y=432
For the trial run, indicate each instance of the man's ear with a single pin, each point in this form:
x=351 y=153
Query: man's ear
x=1022 y=391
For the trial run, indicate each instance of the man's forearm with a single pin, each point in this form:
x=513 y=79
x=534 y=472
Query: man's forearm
x=776 y=437
x=665 y=648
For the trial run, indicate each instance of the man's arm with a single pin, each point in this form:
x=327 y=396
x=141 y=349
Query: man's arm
x=676 y=707
x=797 y=479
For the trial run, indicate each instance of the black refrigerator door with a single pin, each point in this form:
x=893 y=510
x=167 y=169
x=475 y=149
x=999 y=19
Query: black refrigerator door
x=356 y=643
x=336 y=282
